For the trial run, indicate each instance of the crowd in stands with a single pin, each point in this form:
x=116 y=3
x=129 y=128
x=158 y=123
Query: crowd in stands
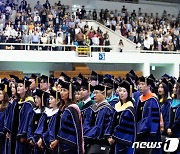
x=55 y=24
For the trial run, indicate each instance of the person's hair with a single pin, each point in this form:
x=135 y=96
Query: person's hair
x=27 y=94
x=4 y=102
x=165 y=87
x=178 y=90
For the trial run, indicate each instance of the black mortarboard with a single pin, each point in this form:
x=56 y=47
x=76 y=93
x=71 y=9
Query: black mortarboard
x=166 y=76
x=172 y=80
x=165 y=81
x=109 y=82
x=80 y=77
x=2 y=87
x=93 y=76
x=99 y=87
x=69 y=86
x=77 y=86
x=39 y=92
x=131 y=74
x=5 y=81
x=45 y=78
x=148 y=81
x=84 y=85
x=152 y=77
x=125 y=84
x=33 y=76
x=26 y=83
x=55 y=94
x=66 y=77
x=14 y=77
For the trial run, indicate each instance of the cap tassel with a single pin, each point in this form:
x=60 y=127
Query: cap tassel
x=70 y=91
x=5 y=89
x=89 y=87
x=105 y=91
x=37 y=81
x=130 y=91
x=145 y=80
x=42 y=99
x=48 y=80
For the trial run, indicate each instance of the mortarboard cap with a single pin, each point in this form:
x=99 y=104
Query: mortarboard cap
x=2 y=87
x=125 y=84
x=152 y=77
x=80 y=77
x=45 y=78
x=14 y=77
x=166 y=76
x=26 y=83
x=99 y=87
x=148 y=81
x=93 y=76
x=65 y=76
x=55 y=94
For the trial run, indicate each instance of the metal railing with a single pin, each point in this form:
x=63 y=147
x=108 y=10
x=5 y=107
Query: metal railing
x=81 y=50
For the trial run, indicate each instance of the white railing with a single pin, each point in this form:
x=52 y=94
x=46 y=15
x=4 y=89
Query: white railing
x=82 y=50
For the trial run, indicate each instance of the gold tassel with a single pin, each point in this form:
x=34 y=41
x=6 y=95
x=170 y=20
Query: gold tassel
x=89 y=87
x=130 y=93
x=5 y=88
x=42 y=99
x=37 y=81
x=105 y=91
x=70 y=91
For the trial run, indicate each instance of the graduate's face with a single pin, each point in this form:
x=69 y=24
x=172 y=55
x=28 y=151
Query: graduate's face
x=58 y=87
x=99 y=96
x=33 y=84
x=37 y=100
x=43 y=85
x=53 y=103
x=84 y=93
x=161 y=90
x=21 y=89
x=123 y=94
x=93 y=82
x=64 y=94
x=109 y=92
x=1 y=95
x=143 y=87
x=174 y=89
x=77 y=96
x=13 y=89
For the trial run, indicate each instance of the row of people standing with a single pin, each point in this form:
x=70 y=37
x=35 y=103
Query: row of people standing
x=115 y=122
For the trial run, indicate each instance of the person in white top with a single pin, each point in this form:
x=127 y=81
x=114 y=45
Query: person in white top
x=59 y=41
x=146 y=44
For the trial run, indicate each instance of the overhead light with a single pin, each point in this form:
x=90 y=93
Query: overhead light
x=153 y=68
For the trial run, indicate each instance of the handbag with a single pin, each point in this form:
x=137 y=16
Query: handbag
x=98 y=149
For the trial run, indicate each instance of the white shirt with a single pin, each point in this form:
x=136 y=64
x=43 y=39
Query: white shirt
x=50 y=112
x=87 y=100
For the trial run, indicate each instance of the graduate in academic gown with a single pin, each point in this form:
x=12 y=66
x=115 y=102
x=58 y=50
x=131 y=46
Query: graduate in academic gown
x=97 y=124
x=70 y=136
x=111 y=96
x=39 y=109
x=148 y=115
x=165 y=104
x=124 y=131
x=174 y=126
x=19 y=118
x=85 y=94
x=49 y=135
x=3 y=115
x=34 y=83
